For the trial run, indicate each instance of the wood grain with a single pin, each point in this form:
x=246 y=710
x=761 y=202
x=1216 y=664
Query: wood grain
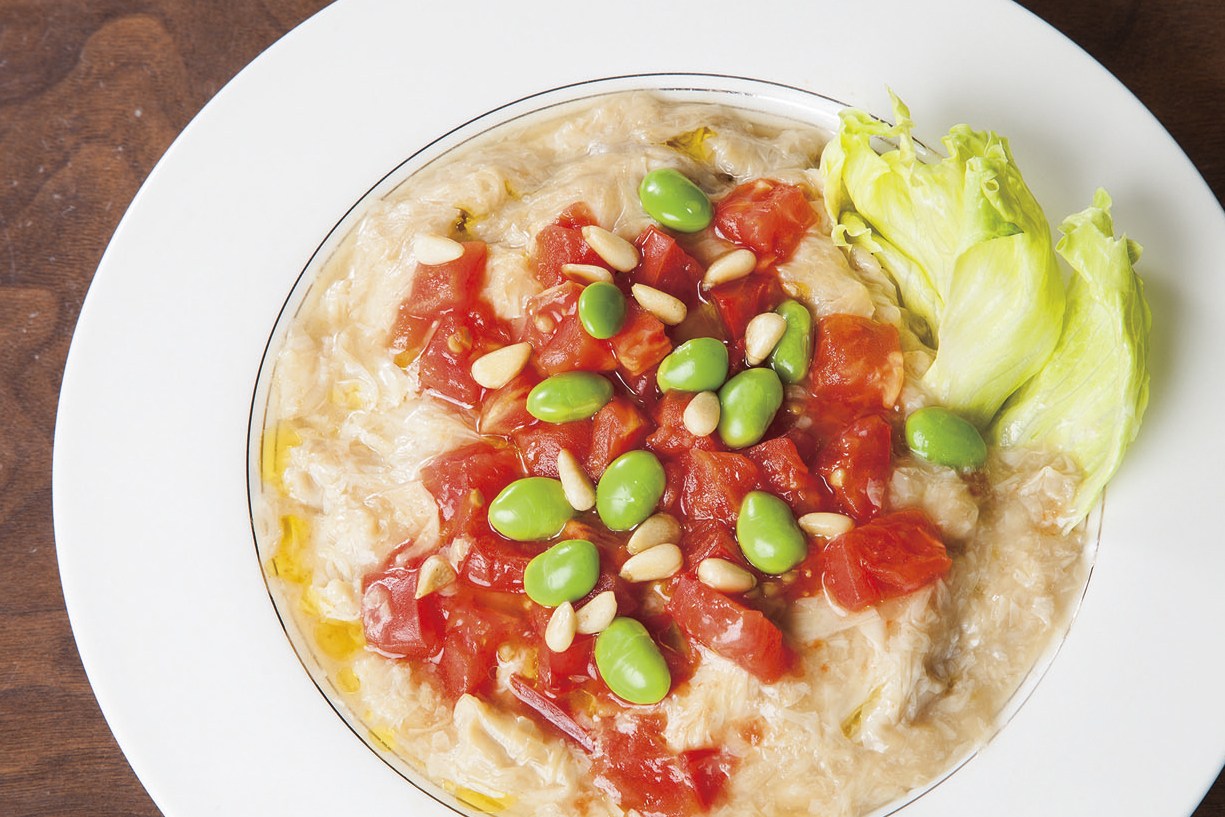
x=92 y=92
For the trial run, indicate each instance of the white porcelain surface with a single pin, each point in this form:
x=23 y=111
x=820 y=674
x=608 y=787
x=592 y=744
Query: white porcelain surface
x=171 y=616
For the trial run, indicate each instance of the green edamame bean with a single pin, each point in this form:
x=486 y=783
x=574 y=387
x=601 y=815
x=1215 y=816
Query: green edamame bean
x=565 y=572
x=940 y=436
x=768 y=534
x=747 y=405
x=696 y=365
x=630 y=662
x=793 y=354
x=569 y=396
x=529 y=509
x=629 y=489
x=601 y=309
x=674 y=201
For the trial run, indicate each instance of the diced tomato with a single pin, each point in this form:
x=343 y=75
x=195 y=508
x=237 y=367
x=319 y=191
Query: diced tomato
x=710 y=539
x=438 y=288
x=638 y=770
x=474 y=631
x=671 y=437
x=888 y=557
x=714 y=483
x=738 y=302
x=665 y=266
x=767 y=217
x=709 y=768
x=504 y=410
x=784 y=473
x=576 y=216
x=736 y=632
x=562 y=243
x=561 y=672
x=642 y=342
x=539 y=445
x=559 y=341
x=617 y=428
x=459 y=339
x=410 y=335
x=857 y=362
x=396 y=623
x=495 y=564
x=463 y=482
x=701 y=321
x=642 y=386
x=856 y=467
x=630 y=760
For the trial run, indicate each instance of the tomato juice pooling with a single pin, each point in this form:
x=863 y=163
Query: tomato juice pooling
x=610 y=467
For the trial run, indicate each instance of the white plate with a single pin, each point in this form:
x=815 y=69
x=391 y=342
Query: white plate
x=171 y=616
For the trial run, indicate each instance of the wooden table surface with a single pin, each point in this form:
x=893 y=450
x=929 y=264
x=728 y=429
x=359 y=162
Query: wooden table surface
x=91 y=94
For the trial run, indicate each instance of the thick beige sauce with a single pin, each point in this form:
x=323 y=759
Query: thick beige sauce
x=890 y=698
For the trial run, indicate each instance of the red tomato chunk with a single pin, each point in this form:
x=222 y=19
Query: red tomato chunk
x=889 y=557
x=732 y=630
x=767 y=217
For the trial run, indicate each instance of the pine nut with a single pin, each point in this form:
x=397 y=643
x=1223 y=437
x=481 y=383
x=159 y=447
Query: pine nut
x=586 y=273
x=725 y=576
x=436 y=249
x=669 y=310
x=652 y=564
x=559 y=632
x=701 y=416
x=598 y=613
x=660 y=529
x=828 y=525
x=499 y=367
x=458 y=552
x=761 y=336
x=436 y=573
x=615 y=250
x=730 y=267
x=575 y=483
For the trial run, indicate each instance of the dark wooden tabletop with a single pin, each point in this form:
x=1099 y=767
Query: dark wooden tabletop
x=91 y=94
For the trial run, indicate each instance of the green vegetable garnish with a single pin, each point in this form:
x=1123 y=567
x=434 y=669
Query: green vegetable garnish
x=968 y=246
x=1089 y=399
x=973 y=256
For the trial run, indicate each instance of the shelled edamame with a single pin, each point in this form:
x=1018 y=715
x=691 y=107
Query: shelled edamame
x=630 y=662
x=629 y=490
x=530 y=509
x=768 y=533
x=747 y=405
x=569 y=396
x=673 y=200
x=938 y=435
x=601 y=309
x=699 y=364
x=793 y=353
x=565 y=572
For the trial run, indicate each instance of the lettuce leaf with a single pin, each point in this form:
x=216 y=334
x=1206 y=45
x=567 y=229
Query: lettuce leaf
x=1089 y=400
x=1022 y=357
x=967 y=245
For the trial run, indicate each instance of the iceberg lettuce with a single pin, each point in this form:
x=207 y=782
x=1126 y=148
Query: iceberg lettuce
x=1025 y=359
x=1089 y=399
x=966 y=243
